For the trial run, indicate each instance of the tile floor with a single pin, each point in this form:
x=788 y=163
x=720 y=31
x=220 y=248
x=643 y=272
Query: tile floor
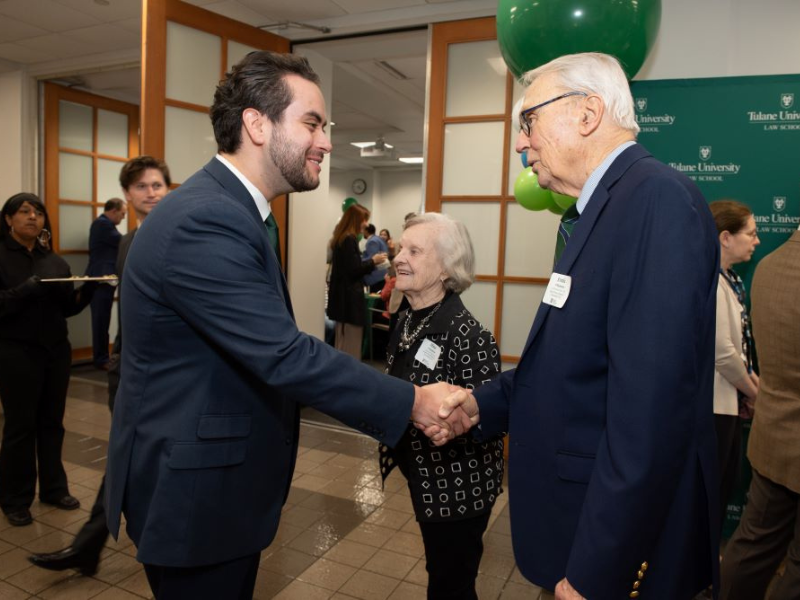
x=341 y=535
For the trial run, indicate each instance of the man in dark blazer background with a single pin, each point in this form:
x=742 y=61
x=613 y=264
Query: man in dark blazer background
x=103 y=245
x=205 y=426
x=609 y=411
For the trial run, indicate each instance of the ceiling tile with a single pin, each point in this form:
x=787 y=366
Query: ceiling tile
x=280 y=10
x=56 y=46
x=363 y=6
x=117 y=10
x=20 y=54
x=47 y=14
x=105 y=38
x=134 y=25
x=237 y=11
x=12 y=30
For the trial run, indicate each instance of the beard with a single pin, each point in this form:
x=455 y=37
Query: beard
x=291 y=162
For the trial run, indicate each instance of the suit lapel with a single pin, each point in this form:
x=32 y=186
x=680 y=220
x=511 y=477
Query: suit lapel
x=583 y=228
x=238 y=192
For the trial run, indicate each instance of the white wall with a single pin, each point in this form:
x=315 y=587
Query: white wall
x=18 y=142
x=342 y=186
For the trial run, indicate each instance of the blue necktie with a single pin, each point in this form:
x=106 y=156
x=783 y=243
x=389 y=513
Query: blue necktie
x=568 y=220
x=272 y=233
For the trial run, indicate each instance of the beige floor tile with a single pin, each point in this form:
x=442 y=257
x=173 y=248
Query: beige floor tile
x=315 y=543
x=327 y=574
x=338 y=489
x=5 y=547
x=496 y=565
x=515 y=591
x=418 y=575
x=117 y=567
x=301 y=516
x=392 y=564
x=288 y=562
x=9 y=592
x=60 y=519
x=268 y=584
x=411 y=526
x=489 y=588
x=344 y=460
x=351 y=553
x=406 y=543
x=24 y=535
x=328 y=471
x=115 y=593
x=300 y=590
x=400 y=503
x=311 y=482
x=386 y=517
x=368 y=495
x=410 y=591
x=12 y=562
x=55 y=540
x=371 y=535
x=74 y=588
x=319 y=456
x=33 y=579
x=369 y=586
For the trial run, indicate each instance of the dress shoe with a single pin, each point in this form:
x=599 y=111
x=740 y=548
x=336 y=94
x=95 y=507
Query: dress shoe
x=68 y=558
x=19 y=517
x=66 y=503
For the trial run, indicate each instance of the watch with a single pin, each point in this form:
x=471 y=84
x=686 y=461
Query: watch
x=359 y=186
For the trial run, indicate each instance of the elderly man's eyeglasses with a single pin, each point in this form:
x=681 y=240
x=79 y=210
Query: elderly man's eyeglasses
x=526 y=116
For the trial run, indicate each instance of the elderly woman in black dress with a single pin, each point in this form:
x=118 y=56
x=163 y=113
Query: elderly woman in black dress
x=453 y=487
x=35 y=358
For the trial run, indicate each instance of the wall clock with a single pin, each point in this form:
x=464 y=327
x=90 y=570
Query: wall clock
x=359 y=186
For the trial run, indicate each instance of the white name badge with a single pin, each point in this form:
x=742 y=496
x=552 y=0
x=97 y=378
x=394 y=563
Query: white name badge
x=557 y=290
x=428 y=354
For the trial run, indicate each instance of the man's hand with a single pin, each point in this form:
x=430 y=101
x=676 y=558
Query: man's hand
x=437 y=411
x=564 y=591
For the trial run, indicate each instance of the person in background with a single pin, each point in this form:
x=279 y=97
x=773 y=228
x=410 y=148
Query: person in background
x=769 y=532
x=145 y=181
x=735 y=382
x=453 y=488
x=387 y=238
x=346 y=292
x=375 y=245
x=104 y=240
x=35 y=358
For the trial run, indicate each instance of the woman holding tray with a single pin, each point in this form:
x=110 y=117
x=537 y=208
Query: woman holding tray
x=35 y=358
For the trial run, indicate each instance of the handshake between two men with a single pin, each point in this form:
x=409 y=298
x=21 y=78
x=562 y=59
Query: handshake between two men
x=443 y=411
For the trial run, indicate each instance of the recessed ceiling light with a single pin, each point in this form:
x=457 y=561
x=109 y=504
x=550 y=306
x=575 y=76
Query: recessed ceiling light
x=368 y=145
x=412 y=160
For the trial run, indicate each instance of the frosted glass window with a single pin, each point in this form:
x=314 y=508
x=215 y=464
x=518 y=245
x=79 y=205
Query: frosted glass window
x=515 y=161
x=77 y=263
x=193 y=62
x=520 y=303
x=80 y=325
x=530 y=241
x=74 y=126
x=73 y=227
x=482 y=220
x=476 y=79
x=74 y=177
x=507 y=366
x=108 y=180
x=480 y=300
x=473 y=159
x=237 y=52
x=112 y=133
x=189 y=142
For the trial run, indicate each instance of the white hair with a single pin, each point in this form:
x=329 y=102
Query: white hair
x=454 y=247
x=593 y=73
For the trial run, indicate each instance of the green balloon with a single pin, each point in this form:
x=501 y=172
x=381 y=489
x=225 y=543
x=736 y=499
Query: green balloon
x=555 y=208
x=534 y=32
x=529 y=193
x=348 y=202
x=562 y=200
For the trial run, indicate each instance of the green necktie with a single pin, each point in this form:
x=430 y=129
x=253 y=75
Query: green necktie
x=568 y=220
x=272 y=233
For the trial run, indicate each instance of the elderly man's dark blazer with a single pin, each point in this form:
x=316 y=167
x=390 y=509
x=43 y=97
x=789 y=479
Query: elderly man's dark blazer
x=609 y=411
x=205 y=426
x=104 y=238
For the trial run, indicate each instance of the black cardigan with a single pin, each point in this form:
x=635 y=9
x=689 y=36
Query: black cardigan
x=346 y=292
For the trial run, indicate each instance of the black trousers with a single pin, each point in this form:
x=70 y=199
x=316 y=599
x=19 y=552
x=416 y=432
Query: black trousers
x=33 y=390
x=101 y=305
x=233 y=580
x=453 y=551
x=92 y=537
x=729 y=455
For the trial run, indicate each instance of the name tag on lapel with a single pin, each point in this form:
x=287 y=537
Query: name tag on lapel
x=428 y=354
x=557 y=290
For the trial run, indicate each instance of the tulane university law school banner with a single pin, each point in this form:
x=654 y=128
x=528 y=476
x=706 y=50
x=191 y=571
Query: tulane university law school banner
x=738 y=138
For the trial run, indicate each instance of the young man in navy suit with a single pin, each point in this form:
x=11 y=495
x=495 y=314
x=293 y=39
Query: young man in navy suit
x=609 y=411
x=205 y=426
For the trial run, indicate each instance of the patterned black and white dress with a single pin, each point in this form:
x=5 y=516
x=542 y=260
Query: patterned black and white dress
x=463 y=478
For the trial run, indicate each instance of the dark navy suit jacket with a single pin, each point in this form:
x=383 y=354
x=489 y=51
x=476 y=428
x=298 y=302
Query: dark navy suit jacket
x=609 y=411
x=205 y=426
x=103 y=245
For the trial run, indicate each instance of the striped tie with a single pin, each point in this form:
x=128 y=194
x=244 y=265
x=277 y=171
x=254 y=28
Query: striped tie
x=272 y=233
x=568 y=220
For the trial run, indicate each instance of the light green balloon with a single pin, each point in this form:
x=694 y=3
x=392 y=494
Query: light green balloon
x=563 y=201
x=529 y=193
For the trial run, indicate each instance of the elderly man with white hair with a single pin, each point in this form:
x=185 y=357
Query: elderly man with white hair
x=612 y=455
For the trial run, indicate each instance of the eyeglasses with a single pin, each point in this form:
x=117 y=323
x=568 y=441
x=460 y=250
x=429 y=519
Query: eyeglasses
x=525 y=123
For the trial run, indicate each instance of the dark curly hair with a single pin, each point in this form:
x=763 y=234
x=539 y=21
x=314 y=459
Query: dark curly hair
x=258 y=81
x=132 y=170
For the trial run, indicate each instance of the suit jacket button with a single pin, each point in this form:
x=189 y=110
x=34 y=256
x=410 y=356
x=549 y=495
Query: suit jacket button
x=634 y=594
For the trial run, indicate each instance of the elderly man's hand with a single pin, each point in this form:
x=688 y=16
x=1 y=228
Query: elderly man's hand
x=564 y=591
x=444 y=411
